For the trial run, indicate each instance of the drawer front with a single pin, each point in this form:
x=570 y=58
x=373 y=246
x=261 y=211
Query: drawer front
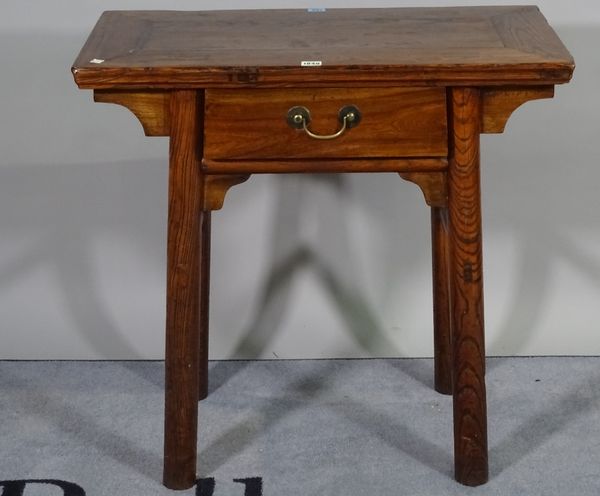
x=394 y=122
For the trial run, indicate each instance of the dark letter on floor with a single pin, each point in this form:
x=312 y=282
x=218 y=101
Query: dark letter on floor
x=205 y=487
x=253 y=486
x=17 y=487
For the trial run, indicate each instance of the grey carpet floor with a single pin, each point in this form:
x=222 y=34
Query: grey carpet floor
x=321 y=427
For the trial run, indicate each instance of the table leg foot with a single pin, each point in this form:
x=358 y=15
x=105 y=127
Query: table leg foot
x=179 y=481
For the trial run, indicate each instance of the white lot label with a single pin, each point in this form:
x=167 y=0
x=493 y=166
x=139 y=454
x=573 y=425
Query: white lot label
x=311 y=63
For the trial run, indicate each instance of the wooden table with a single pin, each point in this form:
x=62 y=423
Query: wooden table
x=370 y=90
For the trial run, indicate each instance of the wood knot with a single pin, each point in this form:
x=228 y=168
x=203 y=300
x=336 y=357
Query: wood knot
x=468 y=272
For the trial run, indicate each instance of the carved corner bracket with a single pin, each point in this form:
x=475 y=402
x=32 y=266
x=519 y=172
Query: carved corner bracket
x=498 y=104
x=216 y=187
x=151 y=107
x=434 y=186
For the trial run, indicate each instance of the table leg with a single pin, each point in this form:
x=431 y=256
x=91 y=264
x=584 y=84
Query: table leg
x=466 y=281
x=183 y=290
x=442 y=330
x=204 y=303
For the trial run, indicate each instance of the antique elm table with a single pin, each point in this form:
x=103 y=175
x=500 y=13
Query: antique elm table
x=352 y=90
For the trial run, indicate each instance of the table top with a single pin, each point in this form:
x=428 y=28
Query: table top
x=418 y=46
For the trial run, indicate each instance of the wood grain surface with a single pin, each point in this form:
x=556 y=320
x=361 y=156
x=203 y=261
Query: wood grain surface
x=329 y=165
x=442 y=322
x=466 y=281
x=395 y=122
x=203 y=340
x=151 y=107
x=424 y=46
x=183 y=290
x=434 y=186
x=498 y=104
x=216 y=187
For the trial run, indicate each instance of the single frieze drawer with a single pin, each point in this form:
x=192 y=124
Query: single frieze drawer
x=332 y=123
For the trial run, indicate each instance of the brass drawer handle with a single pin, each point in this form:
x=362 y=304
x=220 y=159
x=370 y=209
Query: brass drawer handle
x=299 y=118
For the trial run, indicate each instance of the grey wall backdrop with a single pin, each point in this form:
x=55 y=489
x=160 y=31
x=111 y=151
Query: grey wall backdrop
x=315 y=266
